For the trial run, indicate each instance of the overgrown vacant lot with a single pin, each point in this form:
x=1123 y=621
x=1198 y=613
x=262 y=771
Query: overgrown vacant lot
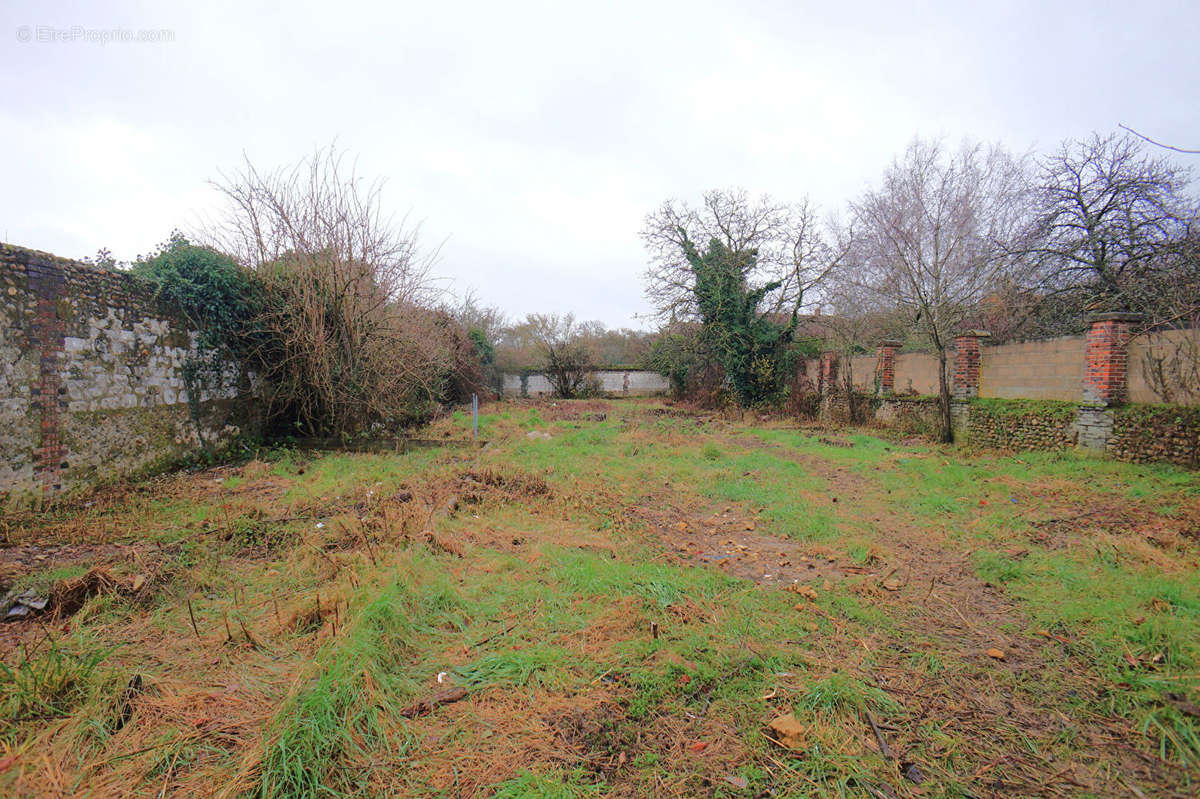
x=629 y=597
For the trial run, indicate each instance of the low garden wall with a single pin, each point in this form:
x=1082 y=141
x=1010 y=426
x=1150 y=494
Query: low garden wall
x=1156 y=433
x=1139 y=433
x=1021 y=424
x=914 y=415
x=92 y=380
x=613 y=382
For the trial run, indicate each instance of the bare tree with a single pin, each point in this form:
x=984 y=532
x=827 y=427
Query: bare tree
x=1107 y=214
x=1116 y=229
x=788 y=241
x=472 y=314
x=859 y=318
x=348 y=340
x=936 y=237
x=566 y=353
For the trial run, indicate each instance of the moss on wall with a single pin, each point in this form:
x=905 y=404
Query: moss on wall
x=1021 y=424
x=1168 y=433
x=915 y=415
x=92 y=380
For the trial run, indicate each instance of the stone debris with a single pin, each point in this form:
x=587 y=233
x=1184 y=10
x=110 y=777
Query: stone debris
x=788 y=731
x=22 y=605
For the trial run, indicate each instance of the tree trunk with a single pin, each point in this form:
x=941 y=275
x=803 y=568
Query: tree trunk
x=946 y=434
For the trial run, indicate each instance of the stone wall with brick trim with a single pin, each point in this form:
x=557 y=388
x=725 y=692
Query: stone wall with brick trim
x=1098 y=419
x=91 y=379
x=1144 y=433
x=1020 y=424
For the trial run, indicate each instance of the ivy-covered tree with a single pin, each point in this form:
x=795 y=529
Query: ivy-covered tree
x=752 y=347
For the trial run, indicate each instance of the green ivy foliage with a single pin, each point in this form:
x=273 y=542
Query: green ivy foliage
x=217 y=296
x=754 y=351
x=675 y=356
x=219 y=299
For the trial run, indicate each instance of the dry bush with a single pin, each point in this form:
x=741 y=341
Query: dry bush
x=347 y=338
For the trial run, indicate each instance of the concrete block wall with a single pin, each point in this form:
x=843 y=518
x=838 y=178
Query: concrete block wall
x=613 y=382
x=916 y=373
x=91 y=379
x=1047 y=370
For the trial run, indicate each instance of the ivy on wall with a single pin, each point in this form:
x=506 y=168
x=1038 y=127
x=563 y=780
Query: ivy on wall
x=218 y=298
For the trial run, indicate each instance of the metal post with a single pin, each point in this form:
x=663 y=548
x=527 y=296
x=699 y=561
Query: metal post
x=475 y=412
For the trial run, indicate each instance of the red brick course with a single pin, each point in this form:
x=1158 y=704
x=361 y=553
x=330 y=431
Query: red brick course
x=886 y=366
x=967 y=359
x=1106 y=376
x=46 y=283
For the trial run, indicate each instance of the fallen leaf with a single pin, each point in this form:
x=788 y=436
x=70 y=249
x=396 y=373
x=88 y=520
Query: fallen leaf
x=7 y=762
x=806 y=591
x=737 y=782
x=138 y=582
x=998 y=654
x=699 y=746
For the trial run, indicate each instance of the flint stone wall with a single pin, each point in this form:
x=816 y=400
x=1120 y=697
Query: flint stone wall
x=92 y=380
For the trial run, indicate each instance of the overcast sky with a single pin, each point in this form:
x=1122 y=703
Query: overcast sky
x=533 y=137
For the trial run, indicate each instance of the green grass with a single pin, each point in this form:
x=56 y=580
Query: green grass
x=46 y=684
x=336 y=711
x=561 y=785
x=569 y=595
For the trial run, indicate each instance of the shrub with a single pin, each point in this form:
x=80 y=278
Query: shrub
x=349 y=341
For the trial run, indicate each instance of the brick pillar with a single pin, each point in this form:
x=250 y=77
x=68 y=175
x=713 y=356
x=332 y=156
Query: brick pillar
x=967 y=357
x=1105 y=377
x=885 y=367
x=827 y=382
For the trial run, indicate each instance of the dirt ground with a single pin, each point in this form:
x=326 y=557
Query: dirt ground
x=627 y=602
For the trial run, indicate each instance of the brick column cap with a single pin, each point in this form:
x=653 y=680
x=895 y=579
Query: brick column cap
x=1116 y=316
x=974 y=334
x=891 y=342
